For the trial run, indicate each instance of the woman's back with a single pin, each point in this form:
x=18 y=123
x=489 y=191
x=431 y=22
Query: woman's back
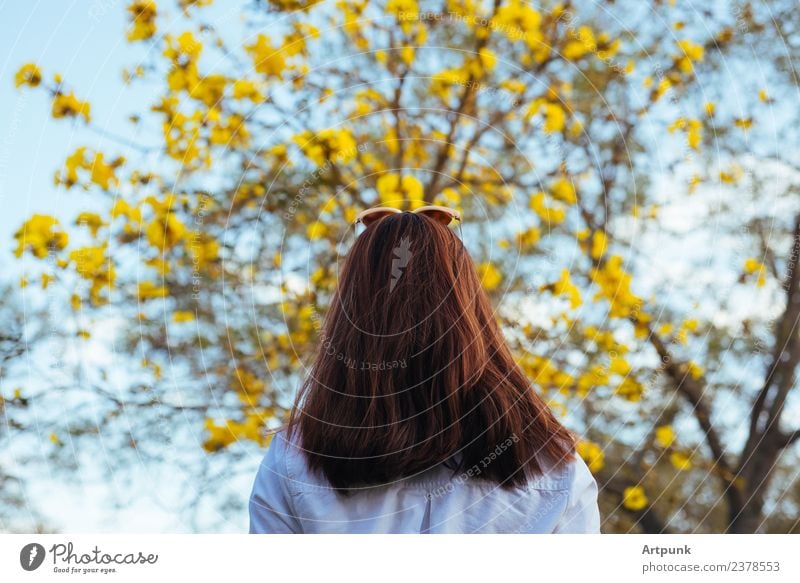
x=414 y=416
x=288 y=497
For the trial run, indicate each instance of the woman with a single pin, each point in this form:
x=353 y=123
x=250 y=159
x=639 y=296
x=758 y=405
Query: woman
x=414 y=417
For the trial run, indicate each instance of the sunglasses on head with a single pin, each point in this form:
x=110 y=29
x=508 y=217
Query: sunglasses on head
x=440 y=214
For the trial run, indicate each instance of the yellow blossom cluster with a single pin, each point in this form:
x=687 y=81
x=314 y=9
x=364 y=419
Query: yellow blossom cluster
x=142 y=15
x=753 y=266
x=592 y=454
x=689 y=53
x=94 y=265
x=634 y=498
x=336 y=145
x=614 y=285
x=406 y=191
x=519 y=21
x=91 y=221
x=29 y=74
x=693 y=129
x=550 y=215
x=545 y=373
x=221 y=436
x=565 y=287
x=665 y=437
x=490 y=276
x=40 y=234
x=67 y=105
x=101 y=173
x=583 y=41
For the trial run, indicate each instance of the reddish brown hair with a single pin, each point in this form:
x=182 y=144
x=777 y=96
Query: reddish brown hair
x=413 y=369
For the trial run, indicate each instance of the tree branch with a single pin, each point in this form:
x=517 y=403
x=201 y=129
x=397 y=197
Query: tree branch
x=780 y=374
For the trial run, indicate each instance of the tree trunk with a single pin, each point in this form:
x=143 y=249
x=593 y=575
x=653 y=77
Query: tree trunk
x=752 y=481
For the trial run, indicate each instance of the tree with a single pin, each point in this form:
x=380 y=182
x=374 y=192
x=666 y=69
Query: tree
x=556 y=129
x=15 y=407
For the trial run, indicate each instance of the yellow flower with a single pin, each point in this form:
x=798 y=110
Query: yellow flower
x=695 y=370
x=528 y=238
x=165 y=231
x=47 y=279
x=665 y=436
x=92 y=264
x=182 y=316
x=490 y=276
x=317 y=230
x=143 y=18
x=101 y=173
x=598 y=244
x=148 y=290
x=267 y=59
x=619 y=366
x=475 y=66
x=122 y=209
x=209 y=90
x=185 y=4
x=67 y=105
x=92 y=221
x=565 y=287
x=753 y=265
x=219 y=437
x=596 y=376
x=554 y=115
x=582 y=42
x=518 y=20
x=29 y=74
x=634 y=498
x=245 y=89
x=39 y=234
x=630 y=389
x=680 y=460
x=564 y=191
x=693 y=129
x=330 y=144
x=550 y=215
x=690 y=52
x=592 y=454
x=442 y=82
x=394 y=190
x=405 y=11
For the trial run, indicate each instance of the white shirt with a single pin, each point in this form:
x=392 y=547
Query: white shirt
x=288 y=498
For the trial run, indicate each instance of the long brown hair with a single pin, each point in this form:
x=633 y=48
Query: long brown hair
x=413 y=370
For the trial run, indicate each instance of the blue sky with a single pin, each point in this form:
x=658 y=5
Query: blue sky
x=84 y=42
x=89 y=52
